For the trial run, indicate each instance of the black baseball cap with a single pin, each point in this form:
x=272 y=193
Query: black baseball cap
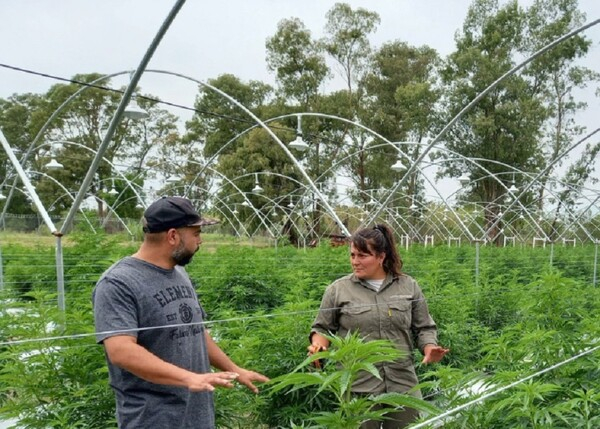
x=171 y=212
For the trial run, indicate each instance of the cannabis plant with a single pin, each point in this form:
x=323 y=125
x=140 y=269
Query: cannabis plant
x=343 y=362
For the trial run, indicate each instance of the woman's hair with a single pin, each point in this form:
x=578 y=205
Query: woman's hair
x=381 y=239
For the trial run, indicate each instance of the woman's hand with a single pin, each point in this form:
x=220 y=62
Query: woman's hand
x=317 y=343
x=315 y=348
x=433 y=353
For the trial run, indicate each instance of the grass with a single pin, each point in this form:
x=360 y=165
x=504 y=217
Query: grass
x=29 y=239
x=210 y=241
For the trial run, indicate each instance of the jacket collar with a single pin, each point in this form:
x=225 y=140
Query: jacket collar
x=389 y=278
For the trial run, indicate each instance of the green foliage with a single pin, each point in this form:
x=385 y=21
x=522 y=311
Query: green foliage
x=346 y=39
x=79 y=125
x=247 y=285
x=22 y=279
x=245 y=293
x=526 y=121
x=517 y=318
x=52 y=383
x=399 y=104
x=345 y=359
x=550 y=324
x=218 y=128
x=297 y=60
x=274 y=346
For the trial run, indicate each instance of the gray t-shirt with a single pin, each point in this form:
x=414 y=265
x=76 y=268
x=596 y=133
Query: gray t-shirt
x=135 y=294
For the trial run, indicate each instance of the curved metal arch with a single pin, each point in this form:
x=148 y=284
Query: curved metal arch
x=482 y=94
x=419 y=169
x=302 y=196
x=276 y=202
x=294 y=223
x=121 y=175
x=512 y=71
x=109 y=207
x=276 y=139
x=392 y=213
x=225 y=215
x=256 y=211
x=66 y=142
x=490 y=175
x=395 y=224
x=131 y=184
x=135 y=77
x=66 y=191
x=533 y=179
x=460 y=157
x=549 y=166
x=52 y=117
x=472 y=160
x=240 y=192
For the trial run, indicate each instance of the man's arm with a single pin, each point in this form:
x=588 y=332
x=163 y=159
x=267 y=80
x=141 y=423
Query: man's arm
x=126 y=353
x=220 y=360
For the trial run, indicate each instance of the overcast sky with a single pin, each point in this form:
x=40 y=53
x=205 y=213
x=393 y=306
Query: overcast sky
x=207 y=39
x=65 y=37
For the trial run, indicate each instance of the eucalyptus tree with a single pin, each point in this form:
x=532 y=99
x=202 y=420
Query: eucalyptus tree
x=253 y=158
x=84 y=122
x=216 y=121
x=300 y=66
x=401 y=92
x=81 y=124
x=504 y=126
x=347 y=42
x=526 y=121
x=559 y=77
x=298 y=62
x=21 y=117
x=217 y=129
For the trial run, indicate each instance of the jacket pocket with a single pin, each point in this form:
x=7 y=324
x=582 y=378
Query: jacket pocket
x=401 y=313
x=359 y=318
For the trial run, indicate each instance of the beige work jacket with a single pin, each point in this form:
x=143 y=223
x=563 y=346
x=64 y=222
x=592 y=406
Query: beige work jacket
x=397 y=312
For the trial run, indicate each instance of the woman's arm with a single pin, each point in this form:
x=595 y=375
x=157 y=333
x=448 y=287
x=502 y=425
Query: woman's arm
x=326 y=322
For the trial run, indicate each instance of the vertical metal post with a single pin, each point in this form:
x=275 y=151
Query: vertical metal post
x=551 y=253
x=87 y=180
x=595 y=263
x=60 y=274
x=1 y=271
x=477 y=264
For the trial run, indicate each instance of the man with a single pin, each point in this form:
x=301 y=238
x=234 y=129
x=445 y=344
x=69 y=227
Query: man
x=150 y=321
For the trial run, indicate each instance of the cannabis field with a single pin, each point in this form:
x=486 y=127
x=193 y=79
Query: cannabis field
x=523 y=331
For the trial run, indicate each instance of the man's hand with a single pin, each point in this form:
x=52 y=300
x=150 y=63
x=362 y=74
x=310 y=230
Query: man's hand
x=209 y=381
x=247 y=378
x=433 y=353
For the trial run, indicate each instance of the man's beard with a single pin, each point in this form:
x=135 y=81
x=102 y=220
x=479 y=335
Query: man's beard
x=181 y=255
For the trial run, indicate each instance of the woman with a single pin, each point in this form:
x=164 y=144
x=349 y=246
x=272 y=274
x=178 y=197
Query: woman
x=380 y=302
